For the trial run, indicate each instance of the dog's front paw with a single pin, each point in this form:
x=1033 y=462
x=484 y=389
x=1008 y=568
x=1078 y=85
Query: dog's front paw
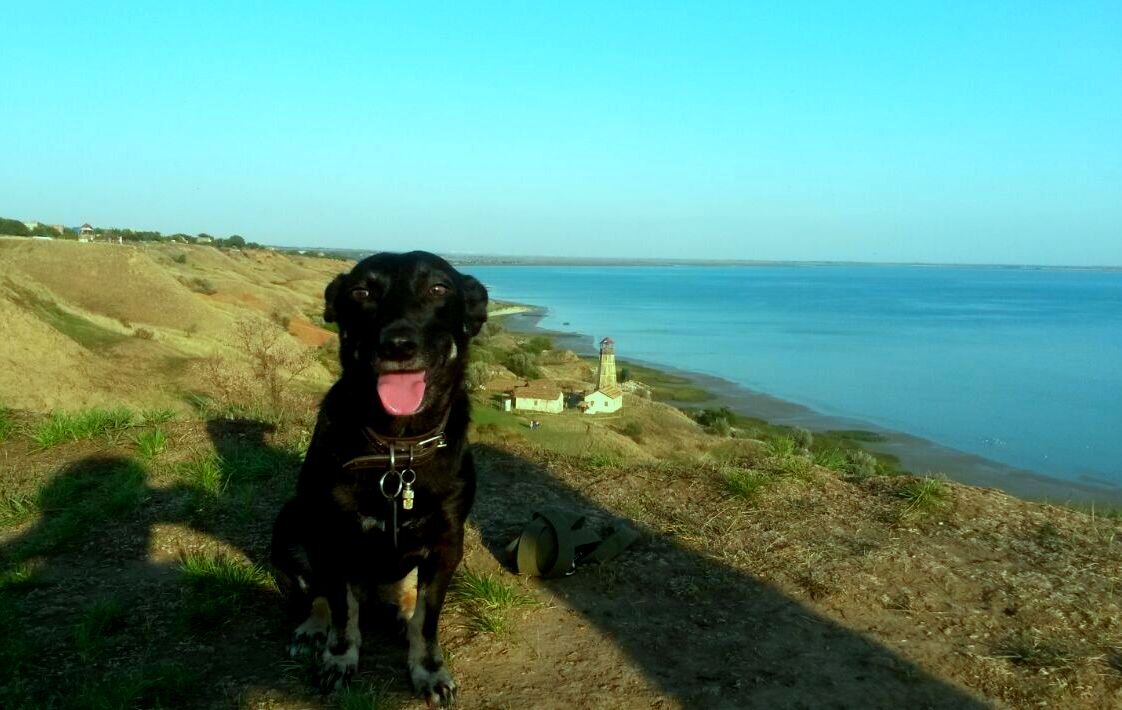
x=306 y=645
x=337 y=669
x=436 y=687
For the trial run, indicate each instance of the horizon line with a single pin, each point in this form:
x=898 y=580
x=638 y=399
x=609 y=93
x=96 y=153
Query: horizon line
x=547 y=259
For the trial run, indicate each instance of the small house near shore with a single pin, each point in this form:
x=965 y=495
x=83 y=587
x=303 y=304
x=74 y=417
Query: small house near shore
x=604 y=401
x=539 y=396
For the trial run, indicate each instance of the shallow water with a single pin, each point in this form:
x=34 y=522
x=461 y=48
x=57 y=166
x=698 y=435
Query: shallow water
x=1019 y=365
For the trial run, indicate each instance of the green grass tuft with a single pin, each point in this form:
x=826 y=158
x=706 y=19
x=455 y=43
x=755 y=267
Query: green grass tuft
x=250 y=463
x=157 y=416
x=833 y=459
x=219 y=586
x=151 y=443
x=204 y=473
x=153 y=685
x=15 y=509
x=7 y=424
x=1033 y=651
x=100 y=621
x=487 y=600
x=242 y=465
x=925 y=496
x=17 y=576
x=365 y=697
x=61 y=427
x=745 y=483
x=783 y=446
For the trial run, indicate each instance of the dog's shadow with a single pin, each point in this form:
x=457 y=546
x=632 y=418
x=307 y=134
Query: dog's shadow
x=129 y=593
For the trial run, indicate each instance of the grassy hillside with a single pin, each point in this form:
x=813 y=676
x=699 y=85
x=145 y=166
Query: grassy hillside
x=88 y=324
x=776 y=568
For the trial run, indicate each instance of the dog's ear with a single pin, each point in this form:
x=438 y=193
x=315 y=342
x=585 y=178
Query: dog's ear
x=329 y=295
x=475 y=305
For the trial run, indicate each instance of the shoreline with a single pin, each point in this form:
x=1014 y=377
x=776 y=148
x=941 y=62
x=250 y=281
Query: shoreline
x=916 y=454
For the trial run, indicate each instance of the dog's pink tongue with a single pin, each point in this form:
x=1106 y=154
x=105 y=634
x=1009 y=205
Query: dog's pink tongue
x=401 y=392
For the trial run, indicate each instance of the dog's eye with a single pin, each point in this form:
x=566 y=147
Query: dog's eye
x=360 y=294
x=438 y=290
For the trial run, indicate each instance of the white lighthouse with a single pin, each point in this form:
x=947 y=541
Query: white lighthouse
x=607 y=397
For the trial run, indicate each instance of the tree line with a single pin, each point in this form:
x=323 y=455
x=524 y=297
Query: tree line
x=16 y=228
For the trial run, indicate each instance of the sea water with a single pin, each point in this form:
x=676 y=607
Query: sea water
x=1019 y=365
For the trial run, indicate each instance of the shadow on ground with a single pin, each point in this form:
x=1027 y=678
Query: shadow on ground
x=98 y=610
x=707 y=634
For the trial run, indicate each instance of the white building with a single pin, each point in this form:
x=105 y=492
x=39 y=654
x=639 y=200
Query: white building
x=539 y=396
x=603 y=402
x=608 y=396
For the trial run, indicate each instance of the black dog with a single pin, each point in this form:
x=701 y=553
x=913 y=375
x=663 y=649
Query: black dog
x=388 y=481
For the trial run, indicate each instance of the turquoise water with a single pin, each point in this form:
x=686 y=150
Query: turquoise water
x=1021 y=366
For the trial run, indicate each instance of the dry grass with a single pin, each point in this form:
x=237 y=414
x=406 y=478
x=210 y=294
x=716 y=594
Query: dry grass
x=992 y=591
x=96 y=360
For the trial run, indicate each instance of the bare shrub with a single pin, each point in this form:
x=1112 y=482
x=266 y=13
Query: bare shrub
x=199 y=285
x=802 y=438
x=523 y=365
x=274 y=360
x=478 y=374
x=634 y=431
x=144 y=334
x=490 y=329
x=862 y=464
x=265 y=386
x=281 y=318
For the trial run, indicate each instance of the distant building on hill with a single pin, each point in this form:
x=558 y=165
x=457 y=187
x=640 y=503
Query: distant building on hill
x=608 y=396
x=539 y=396
x=86 y=229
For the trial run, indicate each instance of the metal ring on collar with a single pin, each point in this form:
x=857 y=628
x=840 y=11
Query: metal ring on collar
x=382 y=484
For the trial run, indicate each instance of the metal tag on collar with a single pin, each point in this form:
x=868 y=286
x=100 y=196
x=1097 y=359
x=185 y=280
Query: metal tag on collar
x=408 y=476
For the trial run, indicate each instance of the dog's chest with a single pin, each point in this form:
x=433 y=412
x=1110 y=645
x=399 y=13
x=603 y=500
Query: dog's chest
x=377 y=516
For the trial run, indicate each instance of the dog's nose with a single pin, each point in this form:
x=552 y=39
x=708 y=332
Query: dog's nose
x=397 y=344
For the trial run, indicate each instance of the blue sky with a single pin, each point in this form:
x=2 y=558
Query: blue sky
x=949 y=132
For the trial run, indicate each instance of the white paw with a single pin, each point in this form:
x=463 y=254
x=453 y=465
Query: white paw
x=305 y=645
x=436 y=687
x=336 y=669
